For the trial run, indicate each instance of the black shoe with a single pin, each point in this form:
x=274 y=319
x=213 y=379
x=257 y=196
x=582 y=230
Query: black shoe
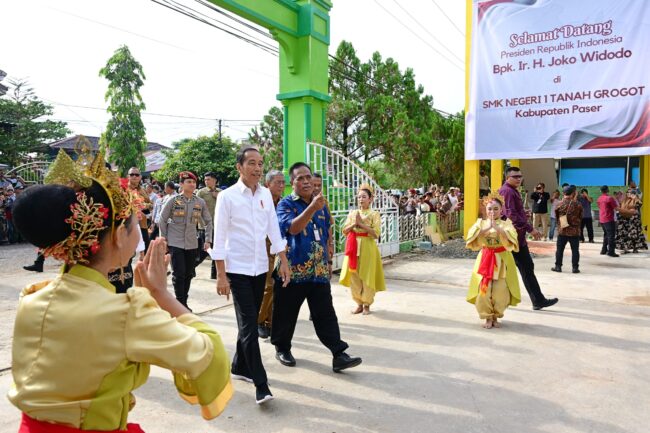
x=343 y=361
x=591 y=241
x=263 y=394
x=285 y=358
x=613 y=255
x=546 y=303
x=576 y=271
x=263 y=331
x=35 y=267
x=602 y=253
x=556 y=268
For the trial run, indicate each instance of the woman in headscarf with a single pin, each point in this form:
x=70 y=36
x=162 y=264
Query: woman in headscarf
x=629 y=232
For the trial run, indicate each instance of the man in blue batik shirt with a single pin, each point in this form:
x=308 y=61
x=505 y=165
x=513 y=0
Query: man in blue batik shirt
x=304 y=222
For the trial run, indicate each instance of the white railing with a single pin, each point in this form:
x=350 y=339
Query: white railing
x=413 y=227
x=341 y=180
x=33 y=172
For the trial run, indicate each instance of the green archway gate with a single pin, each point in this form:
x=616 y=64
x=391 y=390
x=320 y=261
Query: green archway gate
x=302 y=30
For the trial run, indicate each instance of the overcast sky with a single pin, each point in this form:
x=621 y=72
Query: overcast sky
x=198 y=71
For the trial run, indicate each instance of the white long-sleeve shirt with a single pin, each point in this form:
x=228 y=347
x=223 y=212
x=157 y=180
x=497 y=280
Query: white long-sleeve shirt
x=242 y=221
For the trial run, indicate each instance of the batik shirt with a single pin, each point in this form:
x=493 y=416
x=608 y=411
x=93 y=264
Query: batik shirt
x=307 y=253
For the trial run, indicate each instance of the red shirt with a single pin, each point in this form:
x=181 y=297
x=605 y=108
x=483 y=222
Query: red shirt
x=606 y=206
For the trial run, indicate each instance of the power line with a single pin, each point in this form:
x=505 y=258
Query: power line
x=167 y=4
x=448 y=19
x=427 y=30
x=418 y=36
x=234 y=18
x=187 y=11
x=142 y=113
x=118 y=28
x=264 y=43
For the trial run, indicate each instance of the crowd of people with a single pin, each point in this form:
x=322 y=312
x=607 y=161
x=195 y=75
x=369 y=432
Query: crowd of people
x=434 y=199
x=11 y=186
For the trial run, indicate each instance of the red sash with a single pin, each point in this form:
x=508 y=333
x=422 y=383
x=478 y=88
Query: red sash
x=31 y=425
x=351 y=248
x=488 y=265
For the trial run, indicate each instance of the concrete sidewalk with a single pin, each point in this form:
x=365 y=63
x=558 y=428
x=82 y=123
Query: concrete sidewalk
x=428 y=366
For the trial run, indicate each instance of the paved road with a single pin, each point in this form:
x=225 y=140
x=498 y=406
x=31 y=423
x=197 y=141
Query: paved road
x=429 y=366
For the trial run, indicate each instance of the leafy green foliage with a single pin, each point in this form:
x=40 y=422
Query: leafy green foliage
x=200 y=155
x=382 y=119
x=125 y=133
x=379 y=113
x=268 y=138
x=22 y=129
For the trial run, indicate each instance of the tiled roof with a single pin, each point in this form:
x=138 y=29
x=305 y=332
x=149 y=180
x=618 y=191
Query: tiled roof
x=70 y=142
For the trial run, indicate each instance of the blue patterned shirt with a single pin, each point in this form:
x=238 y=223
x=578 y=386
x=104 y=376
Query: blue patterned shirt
x=307 y=253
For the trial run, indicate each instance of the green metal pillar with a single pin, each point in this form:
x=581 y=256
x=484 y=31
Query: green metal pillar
x=302 y=29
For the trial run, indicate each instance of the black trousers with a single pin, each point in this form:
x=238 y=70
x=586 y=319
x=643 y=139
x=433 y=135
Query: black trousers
x=247 y=295
x=526 y=267
x=145 y=238
x=183 y=263
x=589 y=223
x=154 y=233
x=204 y=254
x=609 y=238
x=574 y=241
x=286 y=307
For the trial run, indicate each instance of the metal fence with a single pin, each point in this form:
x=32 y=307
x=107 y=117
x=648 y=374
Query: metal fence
x=32 y=173
x=413 y=227
x=449 y=223
x=341 y=181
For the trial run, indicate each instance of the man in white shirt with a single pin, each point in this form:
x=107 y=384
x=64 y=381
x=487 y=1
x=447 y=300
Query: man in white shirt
x=244 y=217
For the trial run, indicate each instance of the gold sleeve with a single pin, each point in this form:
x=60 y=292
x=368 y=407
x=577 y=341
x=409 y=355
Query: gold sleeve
x=154 y=337
x=350 y=220
x=511 y=235
x=472 y=241
x=375 y=223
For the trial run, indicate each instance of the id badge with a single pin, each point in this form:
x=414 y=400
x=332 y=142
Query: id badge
x=316 y=234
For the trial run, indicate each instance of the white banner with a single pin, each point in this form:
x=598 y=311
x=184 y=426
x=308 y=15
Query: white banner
x=559 y=78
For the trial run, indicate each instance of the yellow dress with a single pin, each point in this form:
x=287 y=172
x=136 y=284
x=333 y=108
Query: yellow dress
x=503 y=290
x=369 y=275
x=79 y=349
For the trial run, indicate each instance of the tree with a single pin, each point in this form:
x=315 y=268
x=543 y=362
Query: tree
x=380 y=118
x=268 y=138
x=200 y=155
x=125 y=133
x=22 y=130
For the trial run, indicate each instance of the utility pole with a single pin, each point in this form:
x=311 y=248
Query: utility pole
x=219 y=131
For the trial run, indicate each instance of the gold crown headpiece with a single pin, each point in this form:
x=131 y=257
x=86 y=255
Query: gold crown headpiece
x=367 y=187
x=88 y=217
x=493 y=196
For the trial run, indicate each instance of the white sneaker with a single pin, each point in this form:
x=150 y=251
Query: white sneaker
x=240 y=377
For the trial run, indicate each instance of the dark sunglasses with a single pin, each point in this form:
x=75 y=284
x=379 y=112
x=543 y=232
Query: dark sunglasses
x=134 y=174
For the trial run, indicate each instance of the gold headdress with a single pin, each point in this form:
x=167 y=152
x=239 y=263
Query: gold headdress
x=493 y=196
x=367 y=187
x=87 y=219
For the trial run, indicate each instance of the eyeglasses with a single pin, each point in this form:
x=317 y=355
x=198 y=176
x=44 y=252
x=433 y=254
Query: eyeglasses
x=517 y=176
x=134 y=174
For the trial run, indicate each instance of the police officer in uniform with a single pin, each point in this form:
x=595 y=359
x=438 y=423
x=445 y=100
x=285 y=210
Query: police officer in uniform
x=209 y=195
x=178 y=220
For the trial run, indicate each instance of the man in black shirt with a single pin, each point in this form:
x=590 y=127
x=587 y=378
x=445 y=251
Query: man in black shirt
x=540 y=200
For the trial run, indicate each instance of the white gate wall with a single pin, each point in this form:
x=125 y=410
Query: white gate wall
x=341 y=181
